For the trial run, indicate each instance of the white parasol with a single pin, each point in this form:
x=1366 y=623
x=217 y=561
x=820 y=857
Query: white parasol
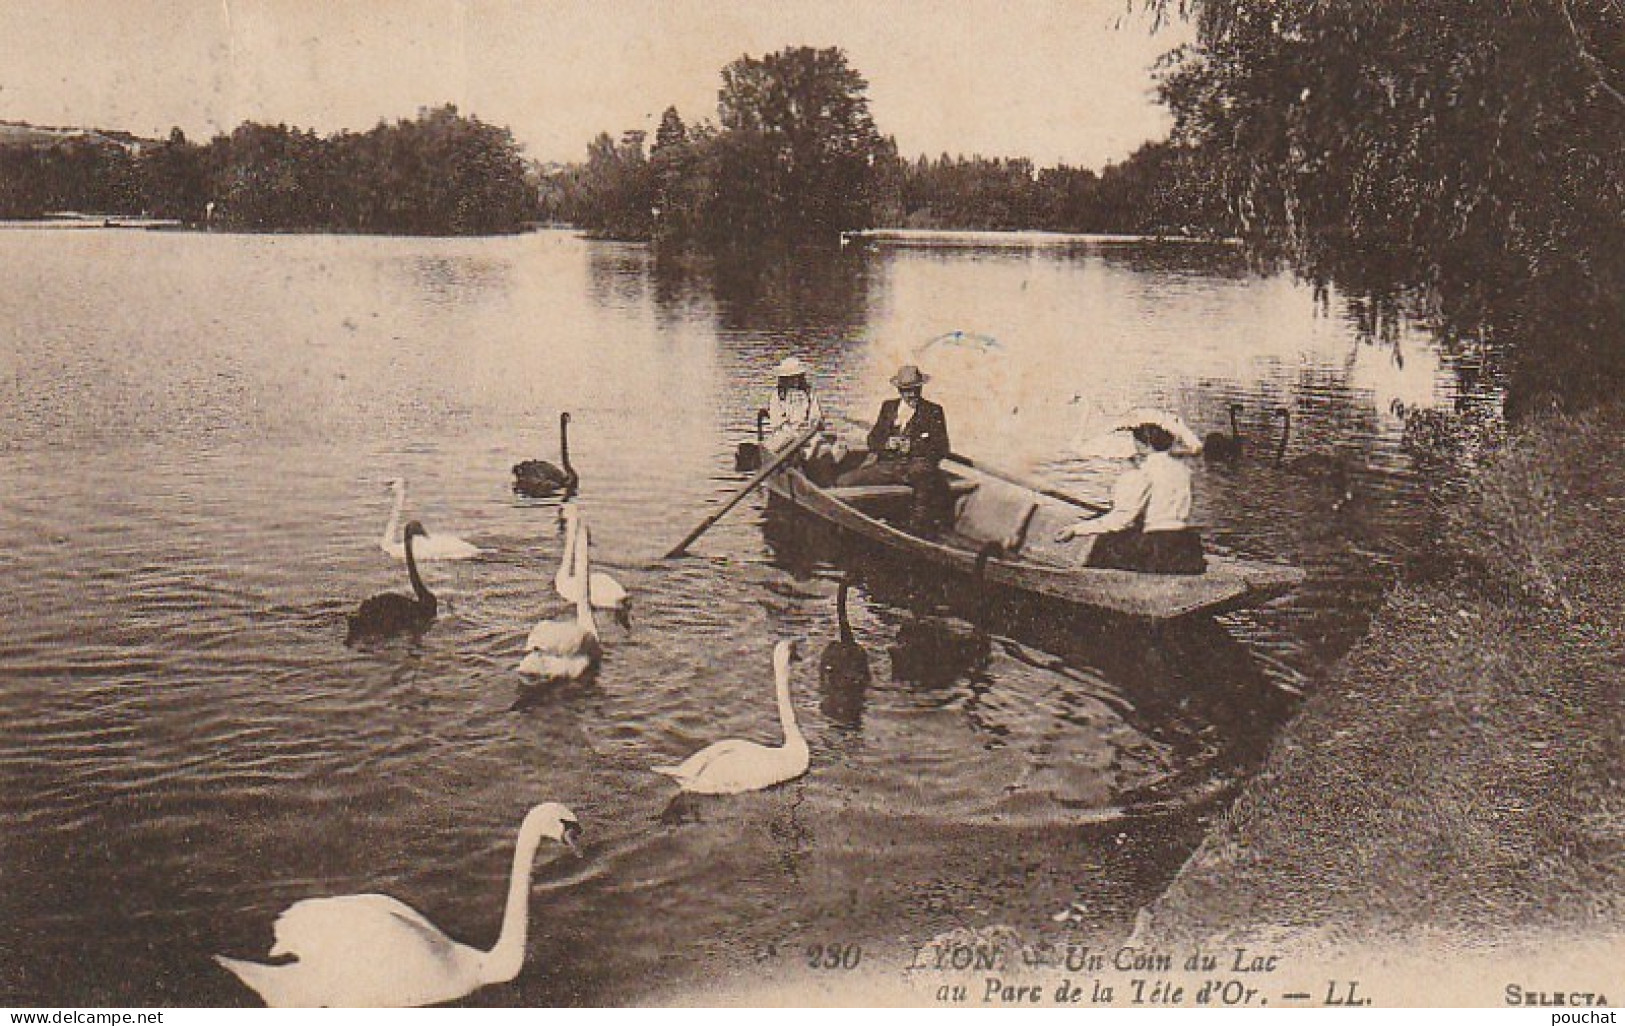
x=961 y=340
x=1114 y=442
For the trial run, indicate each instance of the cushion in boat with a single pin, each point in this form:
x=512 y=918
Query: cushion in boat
x=997 y=512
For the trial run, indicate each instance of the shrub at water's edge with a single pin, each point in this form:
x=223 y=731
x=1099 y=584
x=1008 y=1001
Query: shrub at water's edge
x=1462 y=771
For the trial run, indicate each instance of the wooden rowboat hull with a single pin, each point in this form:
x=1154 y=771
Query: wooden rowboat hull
x=1045 y=569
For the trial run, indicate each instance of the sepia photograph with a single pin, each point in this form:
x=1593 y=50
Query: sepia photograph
x=839 y=503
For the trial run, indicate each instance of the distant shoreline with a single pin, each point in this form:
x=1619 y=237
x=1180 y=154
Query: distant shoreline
x=67 y=221
x=83 y=222
x=1014 y=237
x=923 y=237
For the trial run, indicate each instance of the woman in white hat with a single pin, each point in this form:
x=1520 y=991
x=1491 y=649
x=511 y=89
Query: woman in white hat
x=791 y=412
x=793 y=408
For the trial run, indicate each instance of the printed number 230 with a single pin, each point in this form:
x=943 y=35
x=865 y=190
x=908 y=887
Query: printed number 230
x=834 y=956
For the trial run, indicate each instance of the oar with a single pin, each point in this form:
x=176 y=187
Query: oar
x=1009 y=478
x=1028 y=484
x=761 y=475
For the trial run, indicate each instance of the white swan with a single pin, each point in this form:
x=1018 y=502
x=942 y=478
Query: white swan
x=735 y=766
x=606 y=592
x=568 y=649
x=370 y=950
x=430 y=546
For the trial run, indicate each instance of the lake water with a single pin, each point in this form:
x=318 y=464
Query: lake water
x=195 y=433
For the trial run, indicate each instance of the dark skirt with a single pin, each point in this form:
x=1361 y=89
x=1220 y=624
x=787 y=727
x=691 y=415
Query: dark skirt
x=1152 y=552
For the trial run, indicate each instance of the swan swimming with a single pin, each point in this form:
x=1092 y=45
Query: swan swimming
x=561 y=650
x=371 y=950
x=388 y=614
x=606 y=592
x=430 y=546
x=1331 y=467
x=539 y=478
x=735 y=766
x=936 y=649
x=843 y=660
x=1220 y=446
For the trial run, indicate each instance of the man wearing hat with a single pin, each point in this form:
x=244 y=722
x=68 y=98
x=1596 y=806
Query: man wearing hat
x=909 y=439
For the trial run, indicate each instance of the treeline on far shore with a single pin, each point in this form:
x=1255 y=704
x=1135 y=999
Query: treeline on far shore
x=794 y=155
x=680 y=192
x=441 y=173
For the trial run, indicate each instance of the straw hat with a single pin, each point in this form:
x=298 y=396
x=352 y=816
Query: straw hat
x=909 y=376
x=791 y=368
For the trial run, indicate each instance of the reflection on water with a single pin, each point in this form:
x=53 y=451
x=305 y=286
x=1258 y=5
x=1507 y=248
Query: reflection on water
x=1190 y=688
x=197 y=428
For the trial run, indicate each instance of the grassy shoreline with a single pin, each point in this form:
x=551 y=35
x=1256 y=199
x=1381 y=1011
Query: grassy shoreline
x=1462 y=774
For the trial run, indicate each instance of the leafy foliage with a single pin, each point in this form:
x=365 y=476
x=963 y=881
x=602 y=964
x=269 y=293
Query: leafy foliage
x=440 y=174
x=797 y=156
x=78 y=175
x=807 y=138
x=794 y=157
x=1158 y=190
x=1470 y=155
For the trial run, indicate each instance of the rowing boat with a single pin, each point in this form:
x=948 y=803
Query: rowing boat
x=1022 y=522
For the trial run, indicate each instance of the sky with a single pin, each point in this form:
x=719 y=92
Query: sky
x=1054 y=80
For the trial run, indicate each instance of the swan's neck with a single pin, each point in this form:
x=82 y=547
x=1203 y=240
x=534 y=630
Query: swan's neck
x=1286 y=432
x=787 y=711
x=569 y=560
x=1235 y=429
x=564 y=446
x=984 y=597
x=503 y=962
x=583 y=569
x=394 y=524
x=425 y=596
x=840 y=615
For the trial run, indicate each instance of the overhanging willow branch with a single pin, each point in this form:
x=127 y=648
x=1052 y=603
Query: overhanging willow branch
x=1597 y=66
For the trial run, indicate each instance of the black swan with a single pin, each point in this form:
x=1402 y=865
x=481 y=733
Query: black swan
x=385 y=615
x=1220 y=446
x=539 y=478
x=1315 y=464
x=935 y=650
x=843 y=660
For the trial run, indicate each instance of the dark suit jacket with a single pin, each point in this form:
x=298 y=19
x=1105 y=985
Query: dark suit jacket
x=927 y=433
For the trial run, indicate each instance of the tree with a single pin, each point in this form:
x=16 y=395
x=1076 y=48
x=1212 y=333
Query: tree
x=1469 y=155
x=614 y=194
x=176 y=182
x=24 y=185
x=803 y=139
x=671 y=132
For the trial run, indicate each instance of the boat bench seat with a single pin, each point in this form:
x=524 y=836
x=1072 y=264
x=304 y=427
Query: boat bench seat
x=860 y=494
